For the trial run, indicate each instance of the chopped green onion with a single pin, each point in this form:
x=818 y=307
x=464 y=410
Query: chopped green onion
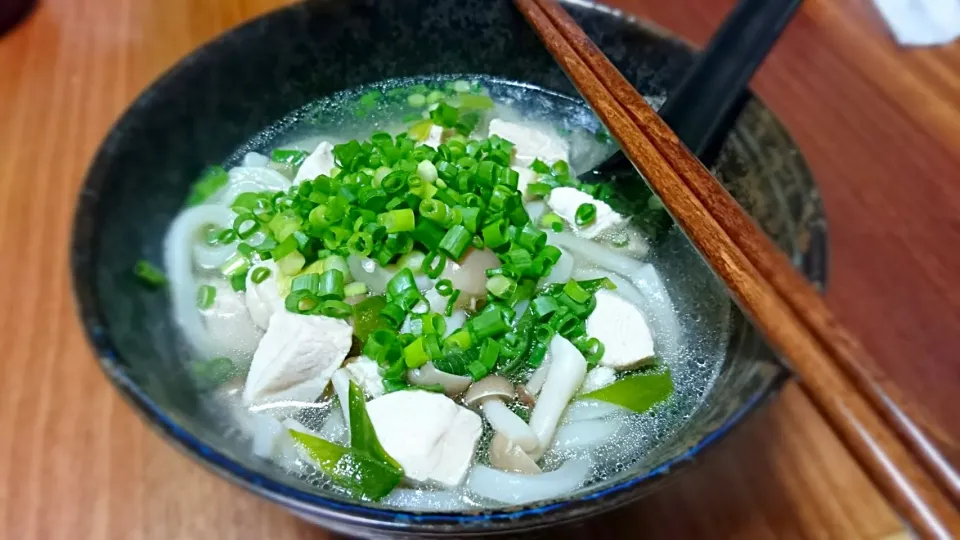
x=477 y=370
x=395 y=385
x=470 y=218
x=501 y=286
x=451 y=302
x=260 y=274
x=434 y=264
x=305 y=282
x=543 y=307
x=489 y=323
x=416 y=100
x=431 y=344
x=398 y=220
x=401 y=282
x=355 y=289
x=227 y=236
x=238 y=282
x=302 y=301
x=245 y=226
x=437 y=211
x=206 y=294
x=563 y=320
x=433 y=323
x=544 y=333
x=149 y=274
x=548 y=256
x=594 y=285
x=489 y=353
x=540 y=167
x=237 y=264
x=473 y=101
x=518 y=260
x=539 y=189
x=210 y=182
x=336 y=309
x=415 y=354
x=591 y=348
x=421 y=130
x=537 y=354
x=530 y=238
x=444 y=115
x=291 y=263
x=408 y=299
x=284 y=224
x=393 y=314
x=461 y=339
x=329 y=285
x=495 y=234
x=428 y=233
x=382 y=346
x=444 y=287
x=586 y=214
x=456 y=241
x=576 y=292
x=290 y=157
x=361 y=243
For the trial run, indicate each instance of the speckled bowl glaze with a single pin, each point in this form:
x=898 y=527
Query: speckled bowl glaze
x=214 y=100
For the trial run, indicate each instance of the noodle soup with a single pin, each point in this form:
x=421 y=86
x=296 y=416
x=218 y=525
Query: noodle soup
x=403 y=293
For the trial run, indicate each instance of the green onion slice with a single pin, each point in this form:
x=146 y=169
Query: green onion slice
x=206 y=294
x=586 y=214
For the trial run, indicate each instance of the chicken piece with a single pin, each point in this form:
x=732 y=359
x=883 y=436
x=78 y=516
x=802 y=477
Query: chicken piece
x=565 y=201
x=366 y=373
x=530 y=144
x=263 y=299
x=526 y=178
x=431 y=437
x=229 y=323
x=319 y=162
x=621 y=328
x=296 y=358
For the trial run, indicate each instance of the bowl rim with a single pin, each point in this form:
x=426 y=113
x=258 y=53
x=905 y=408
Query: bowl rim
x=83 y=250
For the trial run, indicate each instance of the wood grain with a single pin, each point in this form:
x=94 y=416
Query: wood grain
x=880 y=127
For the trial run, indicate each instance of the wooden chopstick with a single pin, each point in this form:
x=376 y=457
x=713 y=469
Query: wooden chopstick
x=904 y=465
x=768 y=259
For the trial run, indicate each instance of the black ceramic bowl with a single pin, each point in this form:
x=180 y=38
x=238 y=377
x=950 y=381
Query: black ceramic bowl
x=213 y=101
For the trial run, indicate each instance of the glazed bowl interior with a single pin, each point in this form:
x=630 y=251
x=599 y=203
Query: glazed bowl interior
x=212 y=103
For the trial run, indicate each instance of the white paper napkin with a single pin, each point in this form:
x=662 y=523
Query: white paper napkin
x=921 y=23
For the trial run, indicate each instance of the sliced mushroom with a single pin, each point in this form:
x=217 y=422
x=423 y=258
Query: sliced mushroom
x=536 y=380
x=525 y=396
x=506 y=456
x=427 y=374
x=564 y=377
x=489 y=394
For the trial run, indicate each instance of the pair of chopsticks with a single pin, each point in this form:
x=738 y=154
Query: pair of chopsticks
x=860 y=405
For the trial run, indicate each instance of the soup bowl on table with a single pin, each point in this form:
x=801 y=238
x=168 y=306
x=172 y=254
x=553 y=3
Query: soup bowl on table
x=309 y=68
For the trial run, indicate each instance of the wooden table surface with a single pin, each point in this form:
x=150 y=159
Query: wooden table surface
x=879 y=125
